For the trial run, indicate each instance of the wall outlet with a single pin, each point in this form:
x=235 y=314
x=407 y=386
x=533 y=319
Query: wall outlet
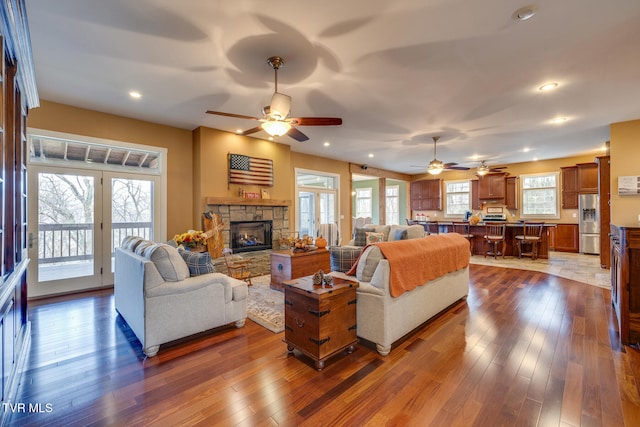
x=575 y=215
x=638 y=217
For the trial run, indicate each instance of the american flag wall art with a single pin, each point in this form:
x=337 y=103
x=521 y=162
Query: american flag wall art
x=250 y=170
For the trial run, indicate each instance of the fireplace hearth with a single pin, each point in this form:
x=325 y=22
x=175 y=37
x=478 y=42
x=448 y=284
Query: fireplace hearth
x=248 y=236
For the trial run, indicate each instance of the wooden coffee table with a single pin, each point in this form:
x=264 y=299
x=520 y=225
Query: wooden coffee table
x=320 y=321
x=287 y=265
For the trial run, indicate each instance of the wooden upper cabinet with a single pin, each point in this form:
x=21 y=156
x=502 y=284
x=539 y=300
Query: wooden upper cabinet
x=426 y=195
x=475 y=196
x=492 y=186
x=569 y=187
x=587 y=178
x=511 y=199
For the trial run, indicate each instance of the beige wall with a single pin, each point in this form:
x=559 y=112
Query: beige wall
x=78 y=121
x=211 y=148
x=517 y=169
x=625 y=152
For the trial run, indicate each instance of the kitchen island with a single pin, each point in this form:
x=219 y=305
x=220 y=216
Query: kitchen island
x=513 y=229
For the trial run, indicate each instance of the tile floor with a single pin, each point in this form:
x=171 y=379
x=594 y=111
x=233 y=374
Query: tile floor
x=582 y=268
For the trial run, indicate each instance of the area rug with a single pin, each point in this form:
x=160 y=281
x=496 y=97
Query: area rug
x=264 y=305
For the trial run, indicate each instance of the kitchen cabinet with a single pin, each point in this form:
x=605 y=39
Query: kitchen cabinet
x=492 y=187
x=511 y=199
x=426 y=195
x=569 y=187
x=475 y=196
x=604 y=190
x=567 y=238
x=587 y=178
x=625 y=281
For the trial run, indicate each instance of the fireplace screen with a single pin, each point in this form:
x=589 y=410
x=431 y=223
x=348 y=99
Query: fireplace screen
x=250 y=235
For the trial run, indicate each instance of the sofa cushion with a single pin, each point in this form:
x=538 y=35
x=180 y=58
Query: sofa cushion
x=373 y=237
x=343 y=257
x=197 y=262
x=368 y=263
x=168 y=261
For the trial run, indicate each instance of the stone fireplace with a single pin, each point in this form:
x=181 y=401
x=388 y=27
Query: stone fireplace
x=236 y=210
x=248 y=236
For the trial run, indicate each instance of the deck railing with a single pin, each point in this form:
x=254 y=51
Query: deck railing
x=74 y=242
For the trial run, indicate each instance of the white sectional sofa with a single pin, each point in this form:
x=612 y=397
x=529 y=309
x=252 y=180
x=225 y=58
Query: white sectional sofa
x=382 y=318
x=162 y=302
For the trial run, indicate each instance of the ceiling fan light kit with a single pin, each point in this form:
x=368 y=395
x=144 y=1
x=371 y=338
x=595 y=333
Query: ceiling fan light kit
x=276 y=128
x=436 y=166
x=276 y=121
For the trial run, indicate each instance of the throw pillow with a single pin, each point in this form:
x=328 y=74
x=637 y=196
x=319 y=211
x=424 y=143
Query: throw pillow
x=343 y=257
x=401 y=235
x=198 y=262
x=372 y=237
x=360 y=237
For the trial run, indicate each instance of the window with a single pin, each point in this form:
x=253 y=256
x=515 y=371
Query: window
x=540 y=195
x=364 y=202
x=458 y=195
x=393 y=205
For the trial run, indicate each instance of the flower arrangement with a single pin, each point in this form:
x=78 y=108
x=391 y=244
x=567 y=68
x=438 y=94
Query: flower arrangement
x=191 y=238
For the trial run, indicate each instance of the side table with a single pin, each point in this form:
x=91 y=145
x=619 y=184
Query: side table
x=287 y=265
x=320 y=321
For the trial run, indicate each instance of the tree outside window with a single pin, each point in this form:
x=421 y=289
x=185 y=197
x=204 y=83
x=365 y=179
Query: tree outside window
x=540 y=195
x=393 y=205
x=364 y=204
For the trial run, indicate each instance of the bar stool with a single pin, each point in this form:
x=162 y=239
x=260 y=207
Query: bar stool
x=531 y=235
x=432 y=227
x=462 y=228
x=493 y=236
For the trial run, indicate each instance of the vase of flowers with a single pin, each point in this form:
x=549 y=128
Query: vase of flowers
x=193 y=240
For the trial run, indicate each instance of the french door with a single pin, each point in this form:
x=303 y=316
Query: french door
x=317 y=213
x=77 y=217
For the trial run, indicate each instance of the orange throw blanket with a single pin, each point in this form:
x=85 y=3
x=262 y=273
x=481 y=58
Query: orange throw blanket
x=414 y=262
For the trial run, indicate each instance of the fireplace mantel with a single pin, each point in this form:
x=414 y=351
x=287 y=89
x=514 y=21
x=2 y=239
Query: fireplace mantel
x=246 y=202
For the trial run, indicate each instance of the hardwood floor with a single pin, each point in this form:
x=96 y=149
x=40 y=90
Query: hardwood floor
x=526 y=348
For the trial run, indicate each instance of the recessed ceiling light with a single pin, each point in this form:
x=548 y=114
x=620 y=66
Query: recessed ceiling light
x=523 y=13
x=270 y=138
x=548 y=86
x=559 y=120
x=238 y=130
x=535 y=159
x=326 y=144
x=526 y=149
x=134 y=94
x=370 y=154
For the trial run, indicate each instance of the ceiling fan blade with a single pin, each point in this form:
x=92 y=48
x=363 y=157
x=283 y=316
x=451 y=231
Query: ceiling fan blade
x=446 y=165
x=252 y=130
x=498 y=169
x=237 y=116
x=457 y=168
x=317 y=121
x=297 y=135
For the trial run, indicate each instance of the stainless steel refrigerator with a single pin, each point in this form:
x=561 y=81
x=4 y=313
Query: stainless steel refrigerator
x=588 y=210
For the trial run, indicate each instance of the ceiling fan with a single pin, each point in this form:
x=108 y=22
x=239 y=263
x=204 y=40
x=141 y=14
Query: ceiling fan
x=483 y=169
x=436 y=166
x=275 y=117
